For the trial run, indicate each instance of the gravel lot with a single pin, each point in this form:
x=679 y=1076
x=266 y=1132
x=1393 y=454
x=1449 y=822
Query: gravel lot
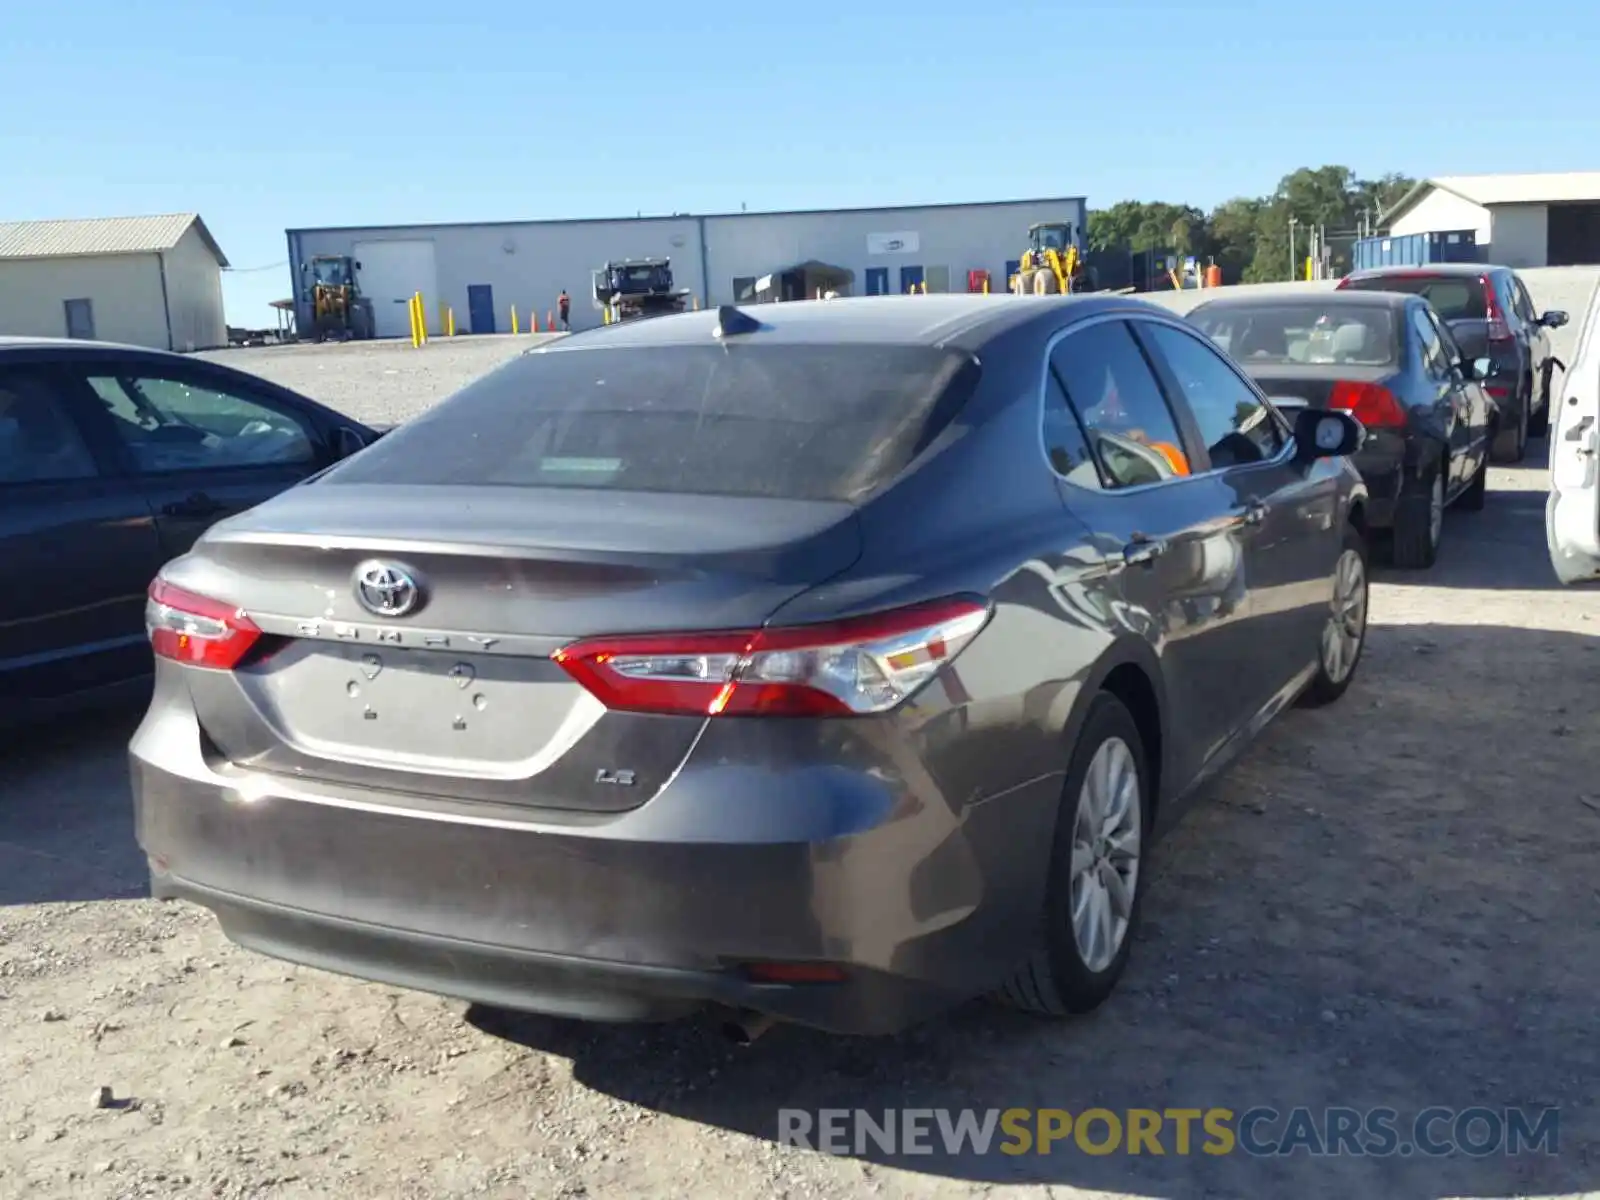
x=1390 y=902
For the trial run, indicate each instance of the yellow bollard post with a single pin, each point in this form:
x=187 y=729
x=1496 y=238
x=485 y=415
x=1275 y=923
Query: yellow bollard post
x=421 y=317
x=449 y=321
x=411 y=310
x=514 y=328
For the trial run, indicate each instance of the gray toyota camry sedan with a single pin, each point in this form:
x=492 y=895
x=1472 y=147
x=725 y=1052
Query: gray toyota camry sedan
x=828 y=662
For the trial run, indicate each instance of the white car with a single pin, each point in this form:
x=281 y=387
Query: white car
x=1572 y=513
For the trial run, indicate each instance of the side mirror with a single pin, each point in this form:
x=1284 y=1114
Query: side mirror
x=1480 y=368
x=347 y=442
x=1554 y=319
x=1326 y=433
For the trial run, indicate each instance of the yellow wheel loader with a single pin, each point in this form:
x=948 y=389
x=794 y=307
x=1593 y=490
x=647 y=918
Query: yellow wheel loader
x=1051 y=264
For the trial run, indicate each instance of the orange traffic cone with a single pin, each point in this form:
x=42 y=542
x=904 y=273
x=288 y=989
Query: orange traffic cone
x=550 y=319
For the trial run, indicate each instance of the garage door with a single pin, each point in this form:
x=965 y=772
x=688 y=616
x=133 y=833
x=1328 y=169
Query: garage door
x=1574 y=235
x=389 y=274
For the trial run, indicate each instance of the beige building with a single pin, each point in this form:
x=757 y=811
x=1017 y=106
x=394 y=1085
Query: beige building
x=145 y=281
x=1550 y=220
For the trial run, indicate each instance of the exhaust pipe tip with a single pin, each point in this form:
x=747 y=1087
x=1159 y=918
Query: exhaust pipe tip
x=744 y=1028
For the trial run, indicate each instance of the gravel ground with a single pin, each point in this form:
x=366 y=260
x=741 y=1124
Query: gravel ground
x=1389 y=902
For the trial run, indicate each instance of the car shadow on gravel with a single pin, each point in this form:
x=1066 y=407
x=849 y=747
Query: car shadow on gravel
x=1388 y=903
x=66 y=814
x=1502 y=547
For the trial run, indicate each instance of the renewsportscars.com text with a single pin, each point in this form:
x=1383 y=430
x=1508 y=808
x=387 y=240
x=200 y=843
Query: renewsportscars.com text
x=1258 y=1132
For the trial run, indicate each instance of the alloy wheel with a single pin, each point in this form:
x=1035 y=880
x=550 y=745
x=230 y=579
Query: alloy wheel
x=1106 y=843
x=1347 y=618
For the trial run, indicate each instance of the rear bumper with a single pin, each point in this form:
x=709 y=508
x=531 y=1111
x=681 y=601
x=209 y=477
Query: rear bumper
x=643 y=915
x=1383 y=464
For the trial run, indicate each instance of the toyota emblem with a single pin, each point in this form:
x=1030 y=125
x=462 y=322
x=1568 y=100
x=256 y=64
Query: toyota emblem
x=385 y=589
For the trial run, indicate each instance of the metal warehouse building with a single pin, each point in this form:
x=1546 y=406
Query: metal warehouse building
x=147 y=281
x=1521 y=220
x=483 y=271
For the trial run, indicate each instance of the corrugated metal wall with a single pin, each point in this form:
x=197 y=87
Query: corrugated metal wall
x=527 y=264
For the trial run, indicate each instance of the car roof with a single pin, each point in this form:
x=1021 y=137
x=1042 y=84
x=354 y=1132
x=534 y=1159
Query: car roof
x=960 y=319
x=1471 y=270
x=81 y=345
x=1322 y=300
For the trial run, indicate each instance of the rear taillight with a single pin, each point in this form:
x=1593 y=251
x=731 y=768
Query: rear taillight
x=847 y=668
x=1499 y=330
x=1497 y=391
x=195 y=630
x=1372 y=404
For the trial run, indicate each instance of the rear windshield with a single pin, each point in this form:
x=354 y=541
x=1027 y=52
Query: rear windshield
x=1454 y=297
x=801 y=422
x=1303 y=333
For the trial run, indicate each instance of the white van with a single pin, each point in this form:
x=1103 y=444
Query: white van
x=1572 y=513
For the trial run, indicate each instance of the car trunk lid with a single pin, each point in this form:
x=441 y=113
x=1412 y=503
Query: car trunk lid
x=458 y=697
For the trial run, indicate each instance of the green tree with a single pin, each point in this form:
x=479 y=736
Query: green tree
x=1248 y=237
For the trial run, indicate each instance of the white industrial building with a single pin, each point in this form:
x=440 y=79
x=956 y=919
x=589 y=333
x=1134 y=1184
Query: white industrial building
x=145 y=281
x=482 y=271
x=1550 y=220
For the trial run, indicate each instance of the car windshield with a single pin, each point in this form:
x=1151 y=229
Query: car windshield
x=1454 y=298
x=1303 y=333
x=803 y=422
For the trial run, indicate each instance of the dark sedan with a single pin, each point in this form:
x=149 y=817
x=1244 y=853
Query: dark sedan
x=113 y=459
x=1490 y=314
x=1389 y=361
x=829 y=661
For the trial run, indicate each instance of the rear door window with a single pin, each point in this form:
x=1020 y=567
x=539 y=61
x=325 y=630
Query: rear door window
x=803 y=422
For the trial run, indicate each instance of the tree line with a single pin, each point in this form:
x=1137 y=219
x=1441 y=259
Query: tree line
x=1248 y=236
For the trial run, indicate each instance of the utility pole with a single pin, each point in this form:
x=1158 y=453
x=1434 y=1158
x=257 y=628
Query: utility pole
x=1292 y=272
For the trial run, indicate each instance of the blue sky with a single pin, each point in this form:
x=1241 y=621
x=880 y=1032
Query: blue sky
x=411 y=111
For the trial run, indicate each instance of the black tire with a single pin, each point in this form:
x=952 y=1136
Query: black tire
x=1416 y=535
x=1539 y=422
x=1511 y=445
x=1477 y=491
x=1333 y=679
x=1055 y=980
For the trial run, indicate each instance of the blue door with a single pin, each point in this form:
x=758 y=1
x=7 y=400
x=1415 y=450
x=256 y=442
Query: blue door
x=910 y=277
x=877 y=281
x=480 y=307
x=1013 y=265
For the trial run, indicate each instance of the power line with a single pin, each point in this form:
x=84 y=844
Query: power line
x=249 y=270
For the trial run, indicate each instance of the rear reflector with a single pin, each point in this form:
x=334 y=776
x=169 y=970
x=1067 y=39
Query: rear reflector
x=195 y=630
x=847 y=668
x=1372 y=404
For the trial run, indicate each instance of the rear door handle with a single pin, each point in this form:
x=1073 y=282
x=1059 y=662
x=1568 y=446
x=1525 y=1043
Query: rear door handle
x=1142 y=551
